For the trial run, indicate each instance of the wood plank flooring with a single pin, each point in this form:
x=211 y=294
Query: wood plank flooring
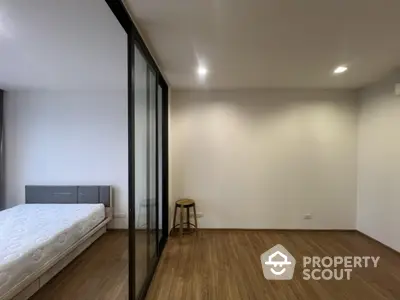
x=226 y=265
x=99 y=273
x=222 y=265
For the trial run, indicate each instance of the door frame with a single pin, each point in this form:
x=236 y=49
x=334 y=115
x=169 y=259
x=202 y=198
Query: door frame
x=135 y=39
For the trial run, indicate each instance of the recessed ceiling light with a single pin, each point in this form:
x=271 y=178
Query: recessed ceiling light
x=340 y=69
x=202 y=71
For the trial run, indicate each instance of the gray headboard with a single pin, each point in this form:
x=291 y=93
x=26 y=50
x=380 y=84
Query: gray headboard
x=69 y=194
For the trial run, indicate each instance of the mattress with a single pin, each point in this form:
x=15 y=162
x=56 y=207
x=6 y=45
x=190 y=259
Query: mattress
x=32 y=237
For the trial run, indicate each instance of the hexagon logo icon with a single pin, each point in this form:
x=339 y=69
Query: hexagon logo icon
x=278 y=264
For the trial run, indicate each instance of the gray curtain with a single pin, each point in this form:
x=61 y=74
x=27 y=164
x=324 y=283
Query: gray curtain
x=2 y=161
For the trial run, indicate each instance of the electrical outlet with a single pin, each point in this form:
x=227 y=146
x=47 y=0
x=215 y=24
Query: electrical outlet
x=307 y=216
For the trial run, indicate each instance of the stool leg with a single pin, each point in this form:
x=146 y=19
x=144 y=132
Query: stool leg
x=195 y=218
x=174 y=223
x=188 y=219
x=181 y=227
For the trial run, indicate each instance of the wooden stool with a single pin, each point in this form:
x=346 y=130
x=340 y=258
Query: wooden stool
x=182 y=204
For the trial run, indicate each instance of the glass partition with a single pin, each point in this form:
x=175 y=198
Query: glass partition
x=142 y=172
x=152 y=166
x=147 y=158
x=160 y=161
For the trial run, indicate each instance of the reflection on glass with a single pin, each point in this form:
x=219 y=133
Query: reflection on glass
x=160 y=162
x=146 y=169
x=152 y=163
x=141 y=170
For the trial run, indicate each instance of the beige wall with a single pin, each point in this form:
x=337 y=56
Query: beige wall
x=379 y=162
x=265 y=159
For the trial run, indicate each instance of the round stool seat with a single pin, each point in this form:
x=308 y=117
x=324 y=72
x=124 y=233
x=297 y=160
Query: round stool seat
x=185 y=202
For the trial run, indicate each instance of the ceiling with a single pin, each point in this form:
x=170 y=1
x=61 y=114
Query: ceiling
x=63 y=44
x=271 y=43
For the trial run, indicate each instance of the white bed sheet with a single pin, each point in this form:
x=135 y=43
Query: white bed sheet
x=33 y=235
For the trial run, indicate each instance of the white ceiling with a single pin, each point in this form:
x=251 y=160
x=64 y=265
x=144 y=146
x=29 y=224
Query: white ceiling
x=61 y=44
x=271 y=43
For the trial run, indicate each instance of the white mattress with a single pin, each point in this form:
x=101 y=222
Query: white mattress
x=33 y=235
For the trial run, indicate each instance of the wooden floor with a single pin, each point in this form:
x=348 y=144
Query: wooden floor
x=226 y=265
x=100 y=273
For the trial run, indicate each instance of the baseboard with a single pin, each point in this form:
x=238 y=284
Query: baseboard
x=376 y=241
x=174 y=231
x=276 y=229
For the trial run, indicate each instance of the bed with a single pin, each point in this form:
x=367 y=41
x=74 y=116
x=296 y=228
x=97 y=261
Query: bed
x=39 y=238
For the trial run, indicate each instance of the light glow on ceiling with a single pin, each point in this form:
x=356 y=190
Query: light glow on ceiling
x=340 y=70
x=202 y=71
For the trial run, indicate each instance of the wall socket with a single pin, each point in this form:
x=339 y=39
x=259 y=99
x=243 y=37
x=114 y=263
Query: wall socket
x=307 y=216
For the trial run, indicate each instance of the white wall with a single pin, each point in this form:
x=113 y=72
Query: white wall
x=379 y=162
x=264 y=159
x=65 y=137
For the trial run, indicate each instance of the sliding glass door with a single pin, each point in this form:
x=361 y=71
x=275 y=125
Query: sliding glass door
x=148 y=158
x=152 y=164
x=160 y=161
x=142 y=172
x=149 y=194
